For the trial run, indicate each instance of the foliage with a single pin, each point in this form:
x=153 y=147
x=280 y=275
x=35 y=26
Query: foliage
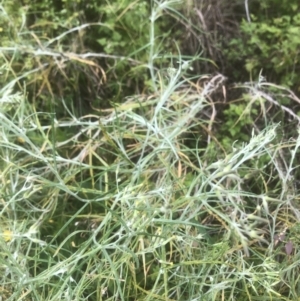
x=269 y=42
x=145 y=197
x=89 y=54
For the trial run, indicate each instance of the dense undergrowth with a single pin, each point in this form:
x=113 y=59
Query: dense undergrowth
x=176 y=192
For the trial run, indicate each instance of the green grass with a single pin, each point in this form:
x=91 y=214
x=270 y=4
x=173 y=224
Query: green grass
x=122 y=209
x=141 y=202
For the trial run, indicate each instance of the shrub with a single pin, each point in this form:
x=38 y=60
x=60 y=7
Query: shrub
x=269 y=42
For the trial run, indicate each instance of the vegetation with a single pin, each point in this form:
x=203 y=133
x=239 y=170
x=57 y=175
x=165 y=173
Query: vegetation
x=127 y=173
